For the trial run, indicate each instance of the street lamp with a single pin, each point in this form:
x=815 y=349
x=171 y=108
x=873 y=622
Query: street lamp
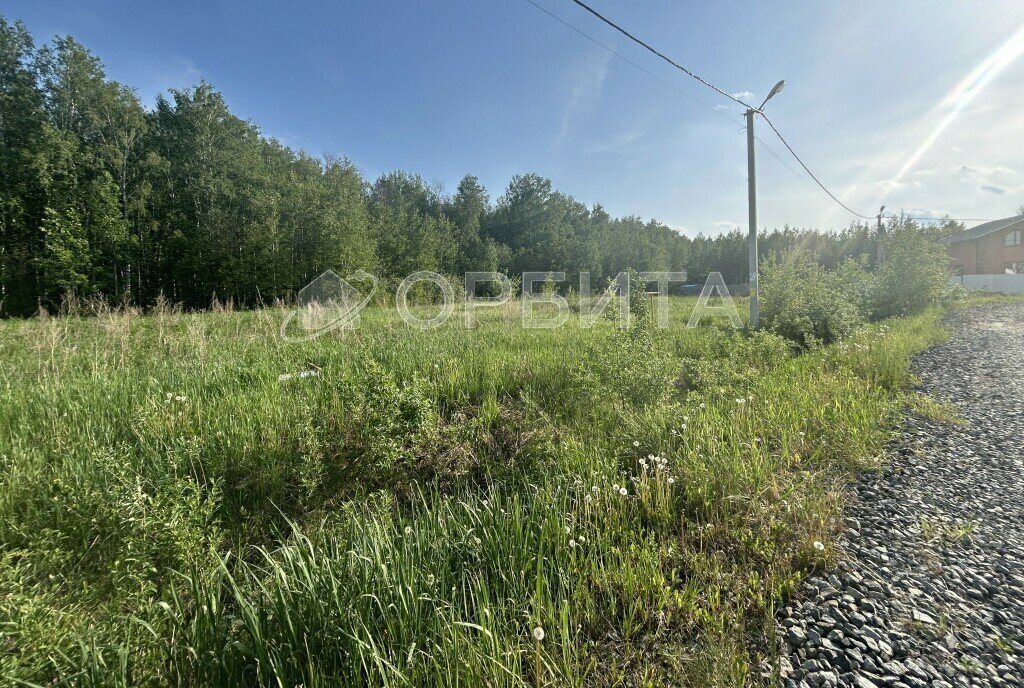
x=776 y=89
x=755 y=317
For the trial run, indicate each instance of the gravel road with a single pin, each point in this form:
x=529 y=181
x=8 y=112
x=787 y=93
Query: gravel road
x=931 y=592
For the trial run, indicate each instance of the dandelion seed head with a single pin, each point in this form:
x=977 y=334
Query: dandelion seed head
x=623 y=491
x=819 y=546
x=538 y=633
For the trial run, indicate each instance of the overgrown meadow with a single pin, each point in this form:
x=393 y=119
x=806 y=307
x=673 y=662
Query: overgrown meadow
x=488 y=507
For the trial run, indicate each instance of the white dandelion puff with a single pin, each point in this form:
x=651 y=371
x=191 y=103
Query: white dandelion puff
x=538 y=633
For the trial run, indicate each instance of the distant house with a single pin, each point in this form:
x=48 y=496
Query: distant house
x=993 y=248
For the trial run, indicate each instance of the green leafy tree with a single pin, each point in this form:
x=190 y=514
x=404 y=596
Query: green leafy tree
x=915 y=273
x=412 y=232
x=24 y=138
x=468 y=211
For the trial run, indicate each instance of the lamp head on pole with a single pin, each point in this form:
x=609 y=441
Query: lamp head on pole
x=775 y=91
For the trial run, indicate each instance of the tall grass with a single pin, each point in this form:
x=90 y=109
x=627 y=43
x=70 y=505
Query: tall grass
x=173 y=513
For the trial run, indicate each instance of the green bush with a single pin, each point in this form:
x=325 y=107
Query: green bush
x=733 y=361
x=913 y=276
x=806 y=304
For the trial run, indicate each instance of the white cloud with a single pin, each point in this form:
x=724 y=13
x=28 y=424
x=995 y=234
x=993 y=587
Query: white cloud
x=743 y=95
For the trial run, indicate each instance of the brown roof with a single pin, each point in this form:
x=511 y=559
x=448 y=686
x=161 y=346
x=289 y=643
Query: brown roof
x=1009 y=224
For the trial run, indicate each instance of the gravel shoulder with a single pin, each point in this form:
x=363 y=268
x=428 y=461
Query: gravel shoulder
x=931 y=590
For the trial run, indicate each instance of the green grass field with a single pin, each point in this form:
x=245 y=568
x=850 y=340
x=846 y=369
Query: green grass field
x=486 y=507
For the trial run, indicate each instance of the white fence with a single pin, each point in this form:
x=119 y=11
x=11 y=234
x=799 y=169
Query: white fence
x=1002 y=284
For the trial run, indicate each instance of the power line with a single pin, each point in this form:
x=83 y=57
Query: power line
x=776 y=156
x=943 y=219
x=654 y=76
x=620 y=55
x=808 y=171
x=731 y=97
x=672 y=62
x=707 y=83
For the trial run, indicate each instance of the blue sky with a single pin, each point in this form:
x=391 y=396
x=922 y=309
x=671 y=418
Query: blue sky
x=916 y=103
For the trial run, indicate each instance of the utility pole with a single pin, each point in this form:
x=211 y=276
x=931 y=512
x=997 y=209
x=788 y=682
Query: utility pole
x=755 y=315
x=878 y=239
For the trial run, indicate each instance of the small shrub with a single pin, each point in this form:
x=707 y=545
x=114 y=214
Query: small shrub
x=913 y=276
x=806 y=304
x=734 y=361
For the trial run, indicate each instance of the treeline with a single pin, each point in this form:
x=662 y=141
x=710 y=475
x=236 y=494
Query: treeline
x=99 y=195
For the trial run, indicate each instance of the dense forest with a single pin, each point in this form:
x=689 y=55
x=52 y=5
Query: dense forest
x=102 y=196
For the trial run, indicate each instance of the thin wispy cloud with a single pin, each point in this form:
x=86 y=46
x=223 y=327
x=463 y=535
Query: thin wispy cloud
x=179 y=73
x=588 y=84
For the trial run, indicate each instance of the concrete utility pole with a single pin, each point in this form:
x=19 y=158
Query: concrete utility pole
x=878 y=239
x=755 y=315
